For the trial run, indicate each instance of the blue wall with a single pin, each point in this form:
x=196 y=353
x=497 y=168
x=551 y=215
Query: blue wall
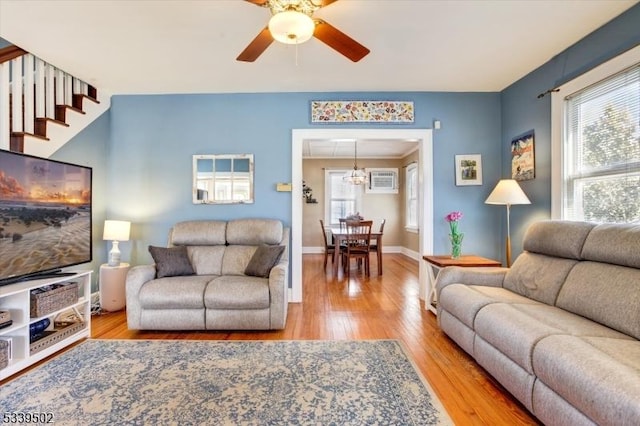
x=90 y=148
x=522 y=111
x=154 y=137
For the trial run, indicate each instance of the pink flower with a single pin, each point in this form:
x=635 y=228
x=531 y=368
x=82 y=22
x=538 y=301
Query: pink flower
x=453 y=216
x=453 y=219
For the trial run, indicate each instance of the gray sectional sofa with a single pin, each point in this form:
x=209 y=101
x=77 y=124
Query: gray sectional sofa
x=214 y=275
x=560 y=328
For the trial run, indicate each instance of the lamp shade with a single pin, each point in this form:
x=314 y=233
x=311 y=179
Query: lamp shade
x=507 y=192
x=116 y=230
x=291 y=27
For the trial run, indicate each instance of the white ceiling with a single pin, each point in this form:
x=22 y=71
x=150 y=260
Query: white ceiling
x=164 y=46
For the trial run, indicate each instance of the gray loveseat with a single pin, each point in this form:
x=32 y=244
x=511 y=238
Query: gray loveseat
x=218 y=293
x=560 y=329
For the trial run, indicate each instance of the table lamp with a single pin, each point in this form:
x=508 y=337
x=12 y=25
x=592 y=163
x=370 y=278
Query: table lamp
x=116 y=231
x=507 y=193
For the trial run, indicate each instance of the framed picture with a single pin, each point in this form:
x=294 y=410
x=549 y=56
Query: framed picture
x=468 y=170
x=523 y=166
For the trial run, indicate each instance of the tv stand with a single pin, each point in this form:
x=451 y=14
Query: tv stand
x=45 y=275
x=54 y=273
x=16 y=298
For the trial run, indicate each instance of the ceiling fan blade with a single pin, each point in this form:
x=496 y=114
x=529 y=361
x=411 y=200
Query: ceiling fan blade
x=336 y=39
x=258 y=2
x=325 y=3
x=256 y=47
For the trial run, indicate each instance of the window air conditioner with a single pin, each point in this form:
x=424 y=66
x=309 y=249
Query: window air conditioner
x=382 y=181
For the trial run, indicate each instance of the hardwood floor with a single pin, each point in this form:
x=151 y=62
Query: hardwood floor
x=380 y=307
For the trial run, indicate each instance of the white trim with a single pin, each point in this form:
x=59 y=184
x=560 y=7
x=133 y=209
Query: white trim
x=5 y=135
x=425 y=185
x=607 y=69
x=412 y=254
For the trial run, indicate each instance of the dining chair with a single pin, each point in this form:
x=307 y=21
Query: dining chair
x=329 y=249
x=357 y=244
x=374 y=245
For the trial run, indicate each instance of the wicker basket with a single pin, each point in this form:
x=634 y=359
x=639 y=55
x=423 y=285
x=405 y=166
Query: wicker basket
x=53 y=298
x=4 y=354
x=56 y=335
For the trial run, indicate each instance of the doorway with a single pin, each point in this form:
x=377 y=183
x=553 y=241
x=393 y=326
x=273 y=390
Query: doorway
x=425 y=184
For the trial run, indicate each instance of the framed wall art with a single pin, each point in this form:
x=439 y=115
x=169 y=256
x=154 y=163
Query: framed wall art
x=468 y=170
x=523 y=166
x=398 y=112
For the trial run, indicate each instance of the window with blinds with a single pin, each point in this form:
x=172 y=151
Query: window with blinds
x=601 y=150
x=342 y=199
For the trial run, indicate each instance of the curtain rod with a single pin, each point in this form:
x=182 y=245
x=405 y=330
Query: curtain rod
x=542 y=95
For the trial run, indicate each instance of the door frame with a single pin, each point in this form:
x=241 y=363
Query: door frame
x=424 y=137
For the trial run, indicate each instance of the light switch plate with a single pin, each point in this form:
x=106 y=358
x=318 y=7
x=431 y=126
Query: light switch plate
x=283 y=187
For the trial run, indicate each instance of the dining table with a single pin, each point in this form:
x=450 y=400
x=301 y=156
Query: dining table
x=340 y=235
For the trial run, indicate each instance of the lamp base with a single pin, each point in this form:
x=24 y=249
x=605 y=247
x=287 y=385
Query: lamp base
x=114 y=255
x=508 y=250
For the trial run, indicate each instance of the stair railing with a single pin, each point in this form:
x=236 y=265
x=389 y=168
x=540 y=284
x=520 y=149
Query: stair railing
x=30 y=90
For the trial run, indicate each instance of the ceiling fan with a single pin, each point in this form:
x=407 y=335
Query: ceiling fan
x=292 y=23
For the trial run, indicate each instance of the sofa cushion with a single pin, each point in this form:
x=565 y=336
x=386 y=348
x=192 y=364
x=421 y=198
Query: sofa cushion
x=514 y=378
x=236 y=259
x=171 y=262
x=174 y=292
x=597 y=374
x=264 y=258
x=557 y=238
x=254 y=232
x=237 y=292
x=608 y=294
x=552 y=409
x=464 y=301
x=515 y=329
x=538 y=276
x=614 y=243
x=199 y=233
x=206 y=260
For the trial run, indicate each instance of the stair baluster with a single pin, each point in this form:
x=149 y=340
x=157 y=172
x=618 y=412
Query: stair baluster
x=33 y=96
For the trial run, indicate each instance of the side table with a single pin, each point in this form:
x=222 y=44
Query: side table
x=112 y=286
x=442 y=261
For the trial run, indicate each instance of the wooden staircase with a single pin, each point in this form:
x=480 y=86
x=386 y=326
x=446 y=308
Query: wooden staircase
x=41 y=106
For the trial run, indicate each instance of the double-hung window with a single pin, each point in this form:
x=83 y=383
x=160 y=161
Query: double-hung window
x=411 y=191
x=597 y=156
x=341 y=198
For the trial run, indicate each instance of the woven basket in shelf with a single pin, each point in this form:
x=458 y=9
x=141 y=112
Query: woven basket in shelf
x=54 y=336
x=4 y=354
x=58 y=297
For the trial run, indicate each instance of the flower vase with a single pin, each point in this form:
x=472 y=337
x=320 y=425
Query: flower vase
x=456 y=245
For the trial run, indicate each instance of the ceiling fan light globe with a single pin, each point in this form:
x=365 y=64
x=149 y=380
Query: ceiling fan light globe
x=291 y=27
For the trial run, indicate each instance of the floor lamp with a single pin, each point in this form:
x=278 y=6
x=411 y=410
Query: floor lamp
x=507 y=193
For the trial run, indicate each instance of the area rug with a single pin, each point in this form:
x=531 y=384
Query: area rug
x=108 y=382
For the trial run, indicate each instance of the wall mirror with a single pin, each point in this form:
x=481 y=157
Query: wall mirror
x=223 y=179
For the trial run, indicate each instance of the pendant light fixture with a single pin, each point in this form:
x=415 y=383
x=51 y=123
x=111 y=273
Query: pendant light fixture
x=356 y=176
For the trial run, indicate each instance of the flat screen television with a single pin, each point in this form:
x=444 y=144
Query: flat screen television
x=45 y=216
